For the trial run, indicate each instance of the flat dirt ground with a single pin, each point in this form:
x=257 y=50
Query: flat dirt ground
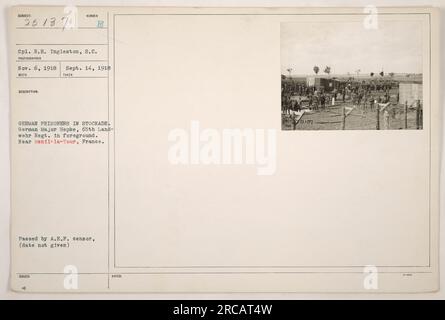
x=359 y=119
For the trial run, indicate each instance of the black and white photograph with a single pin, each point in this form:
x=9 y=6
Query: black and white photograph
x=344 y=76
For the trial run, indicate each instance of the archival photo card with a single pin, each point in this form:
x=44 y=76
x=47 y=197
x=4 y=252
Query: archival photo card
x=148 y=153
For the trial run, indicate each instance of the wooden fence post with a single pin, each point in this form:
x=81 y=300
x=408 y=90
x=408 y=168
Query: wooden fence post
x=406 y=114
x=343 y=124
x=378 y=117
x=418 y=117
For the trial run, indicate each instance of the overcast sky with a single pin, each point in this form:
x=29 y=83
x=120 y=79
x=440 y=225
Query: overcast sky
x=396 y=46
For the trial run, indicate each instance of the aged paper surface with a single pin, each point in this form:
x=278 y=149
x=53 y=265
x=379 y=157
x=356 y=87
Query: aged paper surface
x=224 y=150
